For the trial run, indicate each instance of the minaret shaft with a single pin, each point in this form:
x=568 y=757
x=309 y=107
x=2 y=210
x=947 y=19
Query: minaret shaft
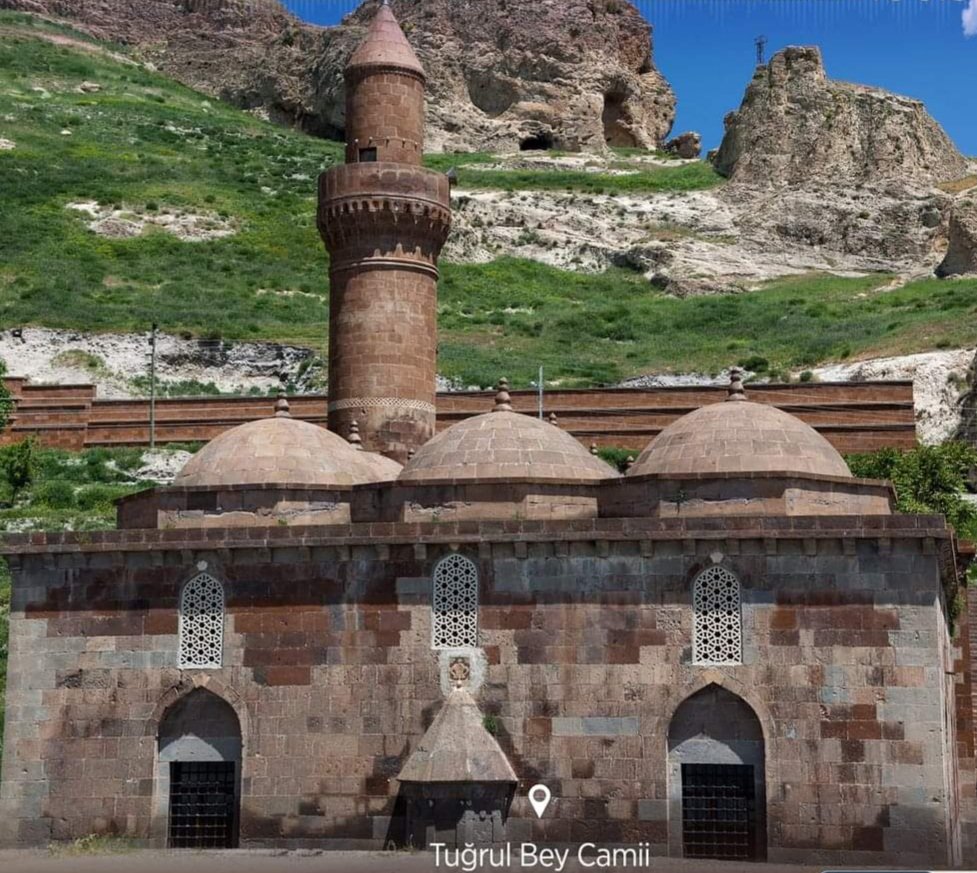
x=384 y=220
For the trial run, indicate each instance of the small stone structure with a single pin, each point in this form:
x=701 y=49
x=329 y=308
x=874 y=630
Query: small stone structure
x=301 y=643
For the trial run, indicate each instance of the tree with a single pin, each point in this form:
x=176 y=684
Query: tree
x=6 y=404
x=18 y=463
x=928 y=479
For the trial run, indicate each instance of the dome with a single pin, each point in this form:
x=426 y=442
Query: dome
x=739 y=437
x=283 y=451
x=504 y=445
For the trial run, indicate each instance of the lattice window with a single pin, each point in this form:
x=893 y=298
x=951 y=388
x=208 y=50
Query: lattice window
x=717 y=630
x=201 y=622
x=455 y=620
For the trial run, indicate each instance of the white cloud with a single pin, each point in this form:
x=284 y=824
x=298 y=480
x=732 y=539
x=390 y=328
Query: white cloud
x=970 y=19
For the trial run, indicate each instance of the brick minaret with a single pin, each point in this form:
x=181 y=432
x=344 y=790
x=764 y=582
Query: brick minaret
x=384 y=219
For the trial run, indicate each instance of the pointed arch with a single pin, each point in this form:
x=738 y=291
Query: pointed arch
x=199 y=743
x=716 y=777
x=201 y=633
x=454 y=607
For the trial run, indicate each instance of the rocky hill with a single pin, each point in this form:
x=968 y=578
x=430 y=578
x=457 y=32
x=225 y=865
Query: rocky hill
x=600 y=267
x=797 y=127
x=503 y=74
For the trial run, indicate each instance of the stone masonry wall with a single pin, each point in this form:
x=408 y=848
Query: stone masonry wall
x=585 y=656
x=965 y=669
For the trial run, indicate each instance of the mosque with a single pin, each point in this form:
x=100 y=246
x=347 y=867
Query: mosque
x=375 y=636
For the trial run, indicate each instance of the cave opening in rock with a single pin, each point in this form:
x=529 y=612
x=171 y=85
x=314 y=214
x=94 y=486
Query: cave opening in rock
x=615 y=117
x=539 y=142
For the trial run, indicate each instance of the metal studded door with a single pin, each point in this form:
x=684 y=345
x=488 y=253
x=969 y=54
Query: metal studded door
x=203 y=805
x=719 y=811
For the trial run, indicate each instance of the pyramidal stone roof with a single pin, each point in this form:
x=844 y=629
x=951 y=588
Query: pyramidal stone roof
x=385 y=45
x=457 y=748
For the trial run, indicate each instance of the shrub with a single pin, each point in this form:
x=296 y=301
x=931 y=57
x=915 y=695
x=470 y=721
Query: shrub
x=56 y=494
x=6 y=405
x=18 y=464
x=617 y=458
x=95 y=496
x=755 y=364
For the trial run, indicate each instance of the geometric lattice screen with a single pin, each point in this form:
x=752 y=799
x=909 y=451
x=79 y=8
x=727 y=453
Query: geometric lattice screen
x=201 y=622
x=717 y=628
x=455 y=615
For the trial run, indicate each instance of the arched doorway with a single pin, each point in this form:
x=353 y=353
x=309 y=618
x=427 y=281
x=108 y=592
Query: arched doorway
x=199 y=772
x=716 y=787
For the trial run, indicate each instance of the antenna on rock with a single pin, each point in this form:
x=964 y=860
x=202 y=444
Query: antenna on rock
x=761 y=50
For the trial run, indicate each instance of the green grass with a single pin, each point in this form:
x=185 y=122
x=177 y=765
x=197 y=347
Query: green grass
x=93 y=844
x=508 y=317
x=687 y=177
x=144 y=141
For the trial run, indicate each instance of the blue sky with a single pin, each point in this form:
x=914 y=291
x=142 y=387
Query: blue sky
x=922 y=48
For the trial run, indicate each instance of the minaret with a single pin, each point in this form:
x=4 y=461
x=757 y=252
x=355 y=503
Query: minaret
x=384 y=220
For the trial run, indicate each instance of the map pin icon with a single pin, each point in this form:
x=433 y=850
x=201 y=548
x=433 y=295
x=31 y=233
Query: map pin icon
x=539 y=797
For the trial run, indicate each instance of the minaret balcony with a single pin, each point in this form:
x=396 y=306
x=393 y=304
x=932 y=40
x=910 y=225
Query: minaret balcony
x=360 y=200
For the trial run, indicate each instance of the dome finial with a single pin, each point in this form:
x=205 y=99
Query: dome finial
x=736 y=390
x=593 y=449
x=281 y=406
x=629 y=463
x=553 y=420
x=354 y=438
x=503 y=402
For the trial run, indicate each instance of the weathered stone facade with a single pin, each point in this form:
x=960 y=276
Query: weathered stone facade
x=585 y=630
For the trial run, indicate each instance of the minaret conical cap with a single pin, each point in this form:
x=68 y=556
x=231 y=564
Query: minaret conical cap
x=385 y=46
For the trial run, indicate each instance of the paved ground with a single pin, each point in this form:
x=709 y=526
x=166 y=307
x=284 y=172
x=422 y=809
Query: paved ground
x=325 y=862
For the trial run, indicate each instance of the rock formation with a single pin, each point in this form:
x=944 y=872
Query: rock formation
x=686 y=145
x=961 y=256
x=506 y=74
x=503 y=74
x=796 y=127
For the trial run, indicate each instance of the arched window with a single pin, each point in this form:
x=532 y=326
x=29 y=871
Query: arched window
x=455 y=619
x=201 y=622
x=717 y=627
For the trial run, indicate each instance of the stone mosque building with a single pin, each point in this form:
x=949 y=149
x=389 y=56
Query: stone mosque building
x=374 y=636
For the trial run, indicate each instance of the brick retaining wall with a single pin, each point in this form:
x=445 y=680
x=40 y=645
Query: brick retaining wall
x=853 y=416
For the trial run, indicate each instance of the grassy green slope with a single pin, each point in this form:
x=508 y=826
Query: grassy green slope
x=143 y=141
x=510 y=316
x=147 y=145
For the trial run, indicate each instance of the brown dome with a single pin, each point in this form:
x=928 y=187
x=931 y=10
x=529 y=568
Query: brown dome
x=382 y=468
x=504 y=445
x=385 y=46
x=740 y=437
x=282 y=451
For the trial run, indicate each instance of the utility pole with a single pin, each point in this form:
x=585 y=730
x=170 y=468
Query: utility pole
x=539 y=386
x=761 y=50
x=152 y=386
